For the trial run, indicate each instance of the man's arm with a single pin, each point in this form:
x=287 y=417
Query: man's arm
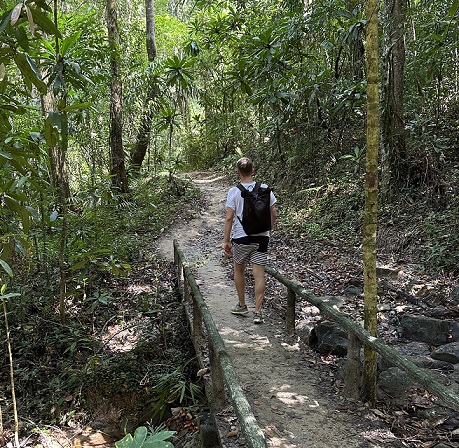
x=228 y=226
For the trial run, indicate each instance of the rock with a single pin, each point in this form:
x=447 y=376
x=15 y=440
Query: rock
x=385 y=272
x=395 y=384
x=454 y=296
x=409 y=349
x=303 y=329
x=425 y=329
x=454 y=332
x=351 y=290
x=455 y=374
x=448 y=352
x=328 y=338
x=414 y=348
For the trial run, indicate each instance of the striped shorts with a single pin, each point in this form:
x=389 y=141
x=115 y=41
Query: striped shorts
x=245 y=253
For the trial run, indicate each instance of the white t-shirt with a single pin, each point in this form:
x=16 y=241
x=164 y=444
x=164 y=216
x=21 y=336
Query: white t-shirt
x=235 y=201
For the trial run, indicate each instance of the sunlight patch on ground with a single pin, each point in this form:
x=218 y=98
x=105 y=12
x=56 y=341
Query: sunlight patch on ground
x=274 y=438
x=291 y=347
x=211 y=179
x=252 y=341
x=121 y=339
x=140 y=289
x=247 y=345
x=292 y=398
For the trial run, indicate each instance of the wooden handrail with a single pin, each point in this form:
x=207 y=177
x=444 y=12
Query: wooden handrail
x=426 y=379
x=223 y=367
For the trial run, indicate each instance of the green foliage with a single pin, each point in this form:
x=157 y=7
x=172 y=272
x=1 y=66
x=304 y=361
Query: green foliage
x=331 y=212
x=174 y=387
x=142 y=439
x=442 y=246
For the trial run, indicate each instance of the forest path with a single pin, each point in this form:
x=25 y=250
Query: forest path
x=283 y=384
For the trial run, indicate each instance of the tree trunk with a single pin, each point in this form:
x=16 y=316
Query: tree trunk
x=394 y=166
x=117 y=164
x=151 y=36
x=58 y=167
x=371 y=197
x=143 y=134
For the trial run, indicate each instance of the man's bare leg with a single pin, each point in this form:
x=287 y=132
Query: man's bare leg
x=260 y=285
x=239 y=282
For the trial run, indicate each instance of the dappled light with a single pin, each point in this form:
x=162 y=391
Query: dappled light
x=317 y=136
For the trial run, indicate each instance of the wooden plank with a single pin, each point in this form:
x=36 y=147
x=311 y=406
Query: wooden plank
x=253 y=434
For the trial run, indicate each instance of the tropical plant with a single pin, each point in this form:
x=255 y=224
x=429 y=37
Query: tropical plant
x=143 y=439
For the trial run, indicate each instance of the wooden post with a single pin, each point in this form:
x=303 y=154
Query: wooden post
x=218 y=385
x=186 y=292
x=197 y=323
x=290 y=317
x=353 y=372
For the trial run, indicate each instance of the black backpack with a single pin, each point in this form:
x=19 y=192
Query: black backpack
x=256 y=214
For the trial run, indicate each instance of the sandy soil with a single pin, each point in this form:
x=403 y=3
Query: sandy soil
x=289 y=388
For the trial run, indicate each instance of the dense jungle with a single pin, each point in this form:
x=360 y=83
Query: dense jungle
x=349 y=109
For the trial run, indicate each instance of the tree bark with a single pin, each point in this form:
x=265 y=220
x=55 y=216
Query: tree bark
x=117 y=164
x=143 y=134
x=371 y=197
x=394 y=166
x=151 y=36
x=58 y=167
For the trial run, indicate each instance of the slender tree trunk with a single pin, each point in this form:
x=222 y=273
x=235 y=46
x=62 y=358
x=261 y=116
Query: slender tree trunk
x=394 y=166
x=150 y=24
x=58 y=167
x=143 y=134
x=371 y=197
x=117 y=164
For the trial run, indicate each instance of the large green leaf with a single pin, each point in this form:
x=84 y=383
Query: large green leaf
x=77 y=107
x=6 y=20
x=69 y=42
x=6 y=267
x=44 y=22
x=22 y=37
x=140 y=439
x=30 y=72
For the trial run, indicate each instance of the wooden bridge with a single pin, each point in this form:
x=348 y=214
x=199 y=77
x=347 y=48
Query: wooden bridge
x=223 y=383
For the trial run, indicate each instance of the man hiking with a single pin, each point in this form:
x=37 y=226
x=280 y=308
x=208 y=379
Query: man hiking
x=248 y=248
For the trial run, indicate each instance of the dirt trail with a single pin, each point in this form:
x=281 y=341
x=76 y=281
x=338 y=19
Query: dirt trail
x=277 y=373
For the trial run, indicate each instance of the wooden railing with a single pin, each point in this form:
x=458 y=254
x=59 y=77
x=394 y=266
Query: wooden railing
x=357 y=336
x=221 y=368
x=223 y=373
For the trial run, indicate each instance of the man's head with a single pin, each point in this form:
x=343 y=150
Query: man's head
x=245 y=166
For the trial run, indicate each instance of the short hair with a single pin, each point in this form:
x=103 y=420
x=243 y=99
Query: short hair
x=245 y=165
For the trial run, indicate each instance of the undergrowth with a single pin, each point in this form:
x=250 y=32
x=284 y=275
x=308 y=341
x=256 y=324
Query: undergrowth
x=125 y=330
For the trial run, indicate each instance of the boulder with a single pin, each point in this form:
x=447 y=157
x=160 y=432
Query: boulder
x=394 y=384
x=328 y=338
x=448 y=353
x=425 y=329
x=303 y=330
x=454 y=332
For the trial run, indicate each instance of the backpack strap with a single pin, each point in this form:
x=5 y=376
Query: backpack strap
x=255 y=188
